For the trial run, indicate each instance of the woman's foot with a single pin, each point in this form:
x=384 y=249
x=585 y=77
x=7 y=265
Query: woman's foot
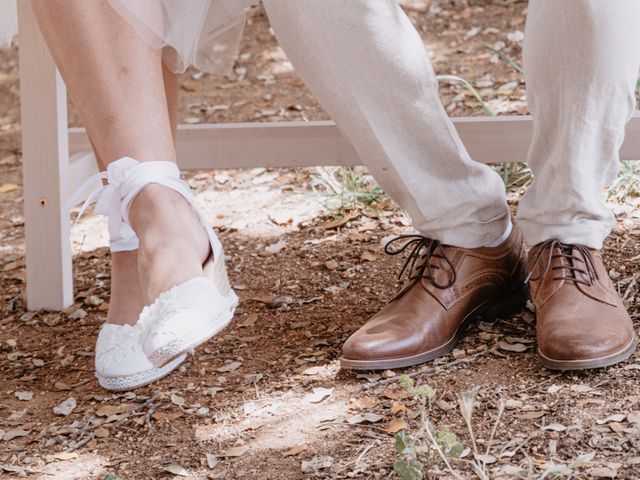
x=120 y=361
x=173 y=242
x=181 y=261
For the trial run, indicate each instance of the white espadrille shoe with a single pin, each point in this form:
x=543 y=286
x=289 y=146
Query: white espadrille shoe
x=120 y=363
x=189 y=313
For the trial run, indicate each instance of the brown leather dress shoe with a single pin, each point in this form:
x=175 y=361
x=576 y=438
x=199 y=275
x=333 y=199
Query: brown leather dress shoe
x=581 y=321
x=448 y=287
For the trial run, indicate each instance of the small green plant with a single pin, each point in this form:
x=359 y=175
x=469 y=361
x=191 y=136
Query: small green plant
x=407 y=467
x=516 y=175
x=346 y=188
x=628 y=182
x=505 y=58
x=455 y=79
x=426 y=452
x=430 y=447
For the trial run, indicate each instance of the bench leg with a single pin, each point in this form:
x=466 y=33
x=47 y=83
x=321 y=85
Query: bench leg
x=45 y=160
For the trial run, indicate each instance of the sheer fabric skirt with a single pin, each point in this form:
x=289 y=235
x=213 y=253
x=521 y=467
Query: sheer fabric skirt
x=8 y=22
x=202 y=33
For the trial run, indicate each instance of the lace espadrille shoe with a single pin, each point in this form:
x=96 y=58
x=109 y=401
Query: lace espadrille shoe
x=190 y=313
x=120 y=363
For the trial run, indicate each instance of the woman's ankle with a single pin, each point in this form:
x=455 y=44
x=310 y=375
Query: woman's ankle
x=126 y=293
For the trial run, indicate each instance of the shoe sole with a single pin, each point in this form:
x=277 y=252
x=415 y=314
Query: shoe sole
x=131 y=382
x=590 y=363
x=511 y=305
x=195 y=338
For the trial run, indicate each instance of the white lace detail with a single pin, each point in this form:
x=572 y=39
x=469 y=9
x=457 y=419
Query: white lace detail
x=117 y=345
x=180 y=298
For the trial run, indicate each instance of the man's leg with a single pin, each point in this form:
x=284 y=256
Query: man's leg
x=581 y=60
x=367 y=65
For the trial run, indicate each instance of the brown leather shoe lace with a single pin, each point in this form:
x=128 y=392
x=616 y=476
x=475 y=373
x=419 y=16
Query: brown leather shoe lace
x=418 y=264
x=578 y=260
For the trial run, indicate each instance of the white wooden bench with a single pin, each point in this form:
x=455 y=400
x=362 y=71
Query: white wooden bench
x=56 y=159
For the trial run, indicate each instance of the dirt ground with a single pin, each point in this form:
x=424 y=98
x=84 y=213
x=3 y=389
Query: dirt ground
x=266 y=399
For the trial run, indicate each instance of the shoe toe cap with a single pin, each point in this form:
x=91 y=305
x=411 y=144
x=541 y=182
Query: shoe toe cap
x=118 y=352
x=569 y=345
x=375 y=343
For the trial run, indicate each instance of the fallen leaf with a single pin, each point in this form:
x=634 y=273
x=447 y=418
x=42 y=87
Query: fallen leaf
x=177 y=400
x=368 y=226
x=618 y=417
x=372 y=377
x=316 y=463
x=512 y=347
x=11 y=434
x=328 y=225
x=166 y=417
x=8 y=187
x=229 y=367
x=510 y=339
x=282 y=300
x=235 y=451
x=190 y=85
x=400 y=407
x=65 y=455
x=250 y=321
x=633 y=417
x=486 y=459
x=212 y=461
x=616 y=427
x=395 y=394
x=253 y=378
x=319 y=394
x=363 y=403
x=396 y=424
x=365 y=418
x=78 y=314
x=369 y=256
x=109 y=410
x=313 y=370
x=590 y=401
x=295 y=450
x=176 y=470
x=13 y=469
x=581 y=388
x=554 y=388
x=443 y=404
x=24 y=396
x=101 y=432
x=276 y=247
x=556 y=427
x=602 y=472
x=66 y=407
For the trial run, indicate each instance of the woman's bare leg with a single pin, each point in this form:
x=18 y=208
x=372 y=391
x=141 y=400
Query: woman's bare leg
x=117 y=83
x=126 y=292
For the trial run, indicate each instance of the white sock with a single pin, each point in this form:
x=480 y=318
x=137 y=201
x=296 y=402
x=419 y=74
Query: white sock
x=503 y=237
